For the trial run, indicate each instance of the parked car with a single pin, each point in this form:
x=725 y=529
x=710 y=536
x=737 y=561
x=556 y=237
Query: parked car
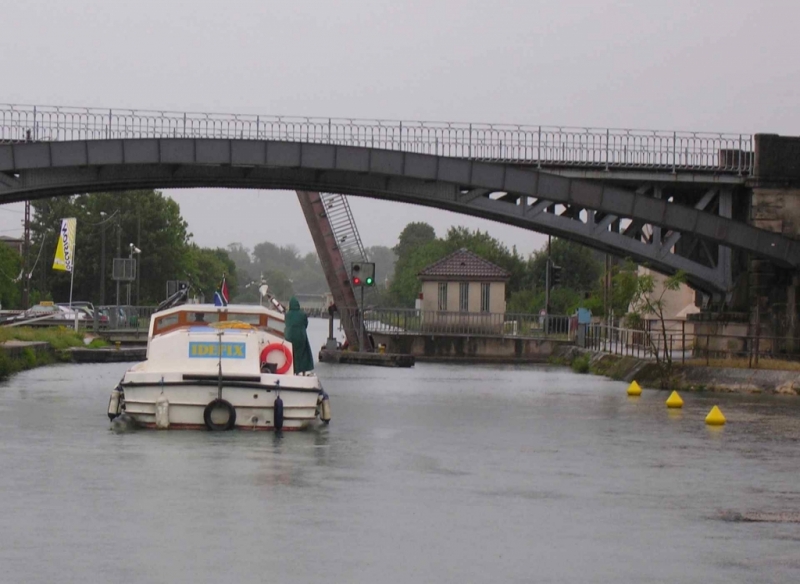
x=85 y=311
x=44 y=310
x=126 y=316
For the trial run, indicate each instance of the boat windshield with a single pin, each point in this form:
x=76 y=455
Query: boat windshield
x=200 y=318
x=193 y=318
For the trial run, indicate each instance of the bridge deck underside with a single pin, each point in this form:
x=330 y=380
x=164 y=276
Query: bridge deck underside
x=663 y=227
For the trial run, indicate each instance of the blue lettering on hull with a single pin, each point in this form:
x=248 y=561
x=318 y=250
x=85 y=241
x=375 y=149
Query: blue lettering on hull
x=212 y=350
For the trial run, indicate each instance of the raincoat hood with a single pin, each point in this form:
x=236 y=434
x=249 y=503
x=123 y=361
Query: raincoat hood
x=294 y=304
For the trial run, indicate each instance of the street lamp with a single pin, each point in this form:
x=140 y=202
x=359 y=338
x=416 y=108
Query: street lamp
x=105 y=218
x=133 y=250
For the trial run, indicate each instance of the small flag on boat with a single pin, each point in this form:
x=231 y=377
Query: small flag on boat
x=221 y=296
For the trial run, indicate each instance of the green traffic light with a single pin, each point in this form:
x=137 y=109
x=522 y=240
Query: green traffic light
x=369 y=281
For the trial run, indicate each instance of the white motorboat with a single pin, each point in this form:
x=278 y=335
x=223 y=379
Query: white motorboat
x=218 y=368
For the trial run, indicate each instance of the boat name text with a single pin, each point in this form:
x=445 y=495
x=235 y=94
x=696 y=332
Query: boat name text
x=212 y=350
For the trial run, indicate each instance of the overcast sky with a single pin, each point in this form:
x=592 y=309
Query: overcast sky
x=678 y=65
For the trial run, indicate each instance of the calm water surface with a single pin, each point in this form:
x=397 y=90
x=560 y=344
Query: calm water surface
x=441 y=473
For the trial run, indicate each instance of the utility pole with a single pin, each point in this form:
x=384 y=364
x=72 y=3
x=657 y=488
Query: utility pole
x=26 y=246
x=548 y=268
x=102 y=264
x=119 y=255
x=606 y=288
x=547 y=280
x=139 y=246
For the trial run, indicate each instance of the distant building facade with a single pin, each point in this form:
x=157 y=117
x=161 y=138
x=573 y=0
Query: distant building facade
x=463 y=290
x=14 y=243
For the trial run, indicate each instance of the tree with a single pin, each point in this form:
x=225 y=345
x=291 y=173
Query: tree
x=624 y=282
x=413 y=235
x=206 y=268
x=405 y=287
x=10 y=262
x=385 y=259
x=146 y=218
x=240 y=255
x=648 y=301
x=482 y=244
x=581 y=268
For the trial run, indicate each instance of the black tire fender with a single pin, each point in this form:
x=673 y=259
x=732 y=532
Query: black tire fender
x=278 y=414
x=212 y=405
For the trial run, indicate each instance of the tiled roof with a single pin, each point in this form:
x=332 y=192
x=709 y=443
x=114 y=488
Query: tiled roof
x=464 y=264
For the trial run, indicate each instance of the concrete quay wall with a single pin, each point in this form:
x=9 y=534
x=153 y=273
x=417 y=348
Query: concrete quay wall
x=470 y=348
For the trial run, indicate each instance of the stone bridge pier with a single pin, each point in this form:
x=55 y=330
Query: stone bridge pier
x=774 y=292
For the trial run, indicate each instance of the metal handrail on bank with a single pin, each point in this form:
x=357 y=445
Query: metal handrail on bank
x=409 y=321
x=683 y=346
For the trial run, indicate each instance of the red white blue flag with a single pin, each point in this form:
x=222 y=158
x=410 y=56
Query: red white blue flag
x=221 y=297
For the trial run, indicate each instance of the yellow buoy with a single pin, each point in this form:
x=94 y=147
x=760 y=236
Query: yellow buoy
x=634 y=388
x=715 y=417
x=674 y=400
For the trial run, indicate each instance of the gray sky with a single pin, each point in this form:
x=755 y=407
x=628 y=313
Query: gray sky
x=681 y=64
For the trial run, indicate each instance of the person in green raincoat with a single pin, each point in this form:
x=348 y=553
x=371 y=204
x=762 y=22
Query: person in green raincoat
x=295 y=333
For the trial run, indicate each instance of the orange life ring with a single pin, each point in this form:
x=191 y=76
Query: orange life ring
x=286 y=353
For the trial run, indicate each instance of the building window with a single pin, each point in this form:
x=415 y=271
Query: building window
x=442 y=295
x=463 y=296
x=485 y=297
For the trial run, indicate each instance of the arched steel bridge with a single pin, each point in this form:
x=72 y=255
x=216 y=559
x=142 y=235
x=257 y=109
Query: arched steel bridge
x=519 y=175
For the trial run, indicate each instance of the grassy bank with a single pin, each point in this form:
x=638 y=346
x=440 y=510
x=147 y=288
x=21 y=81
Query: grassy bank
x=58 y=339
x=765 y=363
x=719 y=376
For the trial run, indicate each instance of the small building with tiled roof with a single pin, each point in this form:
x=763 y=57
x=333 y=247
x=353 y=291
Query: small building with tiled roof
x=465 y=283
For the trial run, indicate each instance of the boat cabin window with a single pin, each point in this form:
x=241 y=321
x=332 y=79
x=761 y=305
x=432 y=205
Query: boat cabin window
x=165 y=322
x=275 y=325
x=252 y=319
x=201 y=318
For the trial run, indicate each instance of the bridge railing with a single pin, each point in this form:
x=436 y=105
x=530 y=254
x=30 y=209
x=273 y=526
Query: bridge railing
x=532 y=145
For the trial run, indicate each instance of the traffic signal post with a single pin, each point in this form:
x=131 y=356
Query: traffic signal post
x=362 y=274
x=552 y=279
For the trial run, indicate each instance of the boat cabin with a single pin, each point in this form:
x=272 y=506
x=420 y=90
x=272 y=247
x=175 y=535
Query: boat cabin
x=193 y=315
x=194 y=337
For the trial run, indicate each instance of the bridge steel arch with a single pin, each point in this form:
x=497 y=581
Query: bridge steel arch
x=580 y=210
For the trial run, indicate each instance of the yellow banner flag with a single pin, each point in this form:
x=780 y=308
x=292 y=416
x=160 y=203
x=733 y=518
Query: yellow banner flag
x=65 y=250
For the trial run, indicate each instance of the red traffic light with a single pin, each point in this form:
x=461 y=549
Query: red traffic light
x=356 y=280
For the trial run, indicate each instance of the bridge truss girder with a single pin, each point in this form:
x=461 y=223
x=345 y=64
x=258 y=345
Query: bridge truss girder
x=642 y=225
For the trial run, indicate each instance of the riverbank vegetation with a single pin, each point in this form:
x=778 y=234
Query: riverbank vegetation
x=107 y=225
x=59 y=338
x=582 y=280
x=764 y=363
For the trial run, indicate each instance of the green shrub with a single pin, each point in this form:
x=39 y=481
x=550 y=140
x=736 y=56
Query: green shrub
x=6 y=366
x=27 y=358
x=581 y=364
x=58 y=337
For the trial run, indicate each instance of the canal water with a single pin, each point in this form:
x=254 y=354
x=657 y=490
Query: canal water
x=440 y=473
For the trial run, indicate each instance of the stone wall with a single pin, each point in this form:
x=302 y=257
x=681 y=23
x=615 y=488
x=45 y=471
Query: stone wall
x=777 y=158
x=775 y=206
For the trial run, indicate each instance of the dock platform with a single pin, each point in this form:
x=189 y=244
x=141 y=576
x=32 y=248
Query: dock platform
x=359 y=358
x=108 y=355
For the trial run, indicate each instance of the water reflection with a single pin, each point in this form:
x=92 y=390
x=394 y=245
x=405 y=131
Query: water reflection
x=439 y=473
